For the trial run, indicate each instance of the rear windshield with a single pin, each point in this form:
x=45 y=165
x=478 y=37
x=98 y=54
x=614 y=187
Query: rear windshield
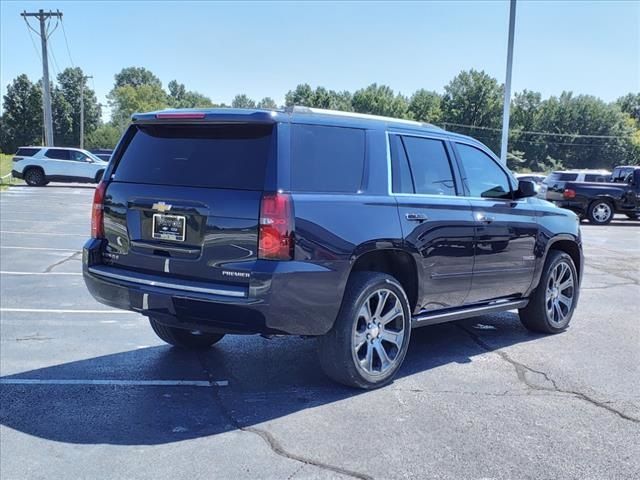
x=27 y=152
x=215 y=156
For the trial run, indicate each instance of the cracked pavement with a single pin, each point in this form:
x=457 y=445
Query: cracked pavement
x=479 y=398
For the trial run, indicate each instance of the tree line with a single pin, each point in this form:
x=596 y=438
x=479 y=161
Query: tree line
x=565 y=131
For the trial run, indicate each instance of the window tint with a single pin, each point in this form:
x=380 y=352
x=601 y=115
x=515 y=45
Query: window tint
x=27 y=152
x=482 y=175
x=57 y=154
x=590 y=177
x=430 y=166
x=77 y=156
x=326 y=159
x=217 y=156
x=400 y=172
x=567 y=177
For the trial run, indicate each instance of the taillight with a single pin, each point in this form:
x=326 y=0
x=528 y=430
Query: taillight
x=569 y=193
x=97 y=211
x=275 y=236
x=180 y=115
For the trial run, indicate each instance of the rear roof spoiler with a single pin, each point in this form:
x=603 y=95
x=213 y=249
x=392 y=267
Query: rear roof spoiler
x=215 y=115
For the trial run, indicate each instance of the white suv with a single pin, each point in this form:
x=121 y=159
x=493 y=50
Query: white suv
x=41 y=165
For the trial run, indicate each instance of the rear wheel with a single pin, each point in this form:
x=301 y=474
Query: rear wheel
x=600 y=212
x=552 y=304
x=188 y=339
x=369 y=340
x=35 y=177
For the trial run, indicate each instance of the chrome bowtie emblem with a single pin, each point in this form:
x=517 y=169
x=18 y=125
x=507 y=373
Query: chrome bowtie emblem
x=161 y=207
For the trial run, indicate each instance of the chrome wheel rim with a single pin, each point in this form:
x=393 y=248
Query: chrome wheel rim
x=378 y=333
x=602 y=212
x=560 y=293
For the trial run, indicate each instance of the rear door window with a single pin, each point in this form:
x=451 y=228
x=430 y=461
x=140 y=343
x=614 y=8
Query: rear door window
x=400 y=171
x=216 y=156
x=326 y=158
x=594 y=178
x=57 y=154
x=430 y=166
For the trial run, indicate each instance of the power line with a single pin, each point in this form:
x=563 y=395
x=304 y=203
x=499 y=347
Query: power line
x=530 y=132
x=67 y=44
x=33 y=42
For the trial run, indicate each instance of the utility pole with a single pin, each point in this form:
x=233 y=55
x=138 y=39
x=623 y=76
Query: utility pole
x=507 y=85
x=82 y=109
x=43 y=16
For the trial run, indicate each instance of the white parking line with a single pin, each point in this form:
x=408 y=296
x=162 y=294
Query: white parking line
x=135 y=383
x=46 y=233
x=60 y=310
x=41 y=248
x=4 y=272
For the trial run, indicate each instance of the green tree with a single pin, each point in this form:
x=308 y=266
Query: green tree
x=380 y=100
x=180 y=97
x=630 y=104
x=105 y=136
x=425 y=106
x=242 y=101
x=136 y=77
x=474 y=99
x=22 y=115
x=66 y=107
x=302 y=96
x=127 y=100
x=268 y=103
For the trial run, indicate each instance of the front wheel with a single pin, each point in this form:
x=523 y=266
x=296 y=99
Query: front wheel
x=187 y=339
x=369 y=340
x=600 y=212
x=551 y=306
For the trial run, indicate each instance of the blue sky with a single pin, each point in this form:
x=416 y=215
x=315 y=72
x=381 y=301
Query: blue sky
x=266 y=48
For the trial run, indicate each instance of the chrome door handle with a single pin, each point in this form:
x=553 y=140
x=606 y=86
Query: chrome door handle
x=416 y=217
x=481 y=217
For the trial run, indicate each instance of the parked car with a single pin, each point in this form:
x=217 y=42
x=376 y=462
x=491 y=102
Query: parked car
x=40 y=165
x=553 y=186
x=621 y=173
x=102 y=153
x=598 y=202
x=350 y=228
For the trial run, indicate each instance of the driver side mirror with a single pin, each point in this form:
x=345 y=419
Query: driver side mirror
x=526 y=188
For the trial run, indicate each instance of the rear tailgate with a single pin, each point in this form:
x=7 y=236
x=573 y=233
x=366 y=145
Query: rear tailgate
x=184 y=201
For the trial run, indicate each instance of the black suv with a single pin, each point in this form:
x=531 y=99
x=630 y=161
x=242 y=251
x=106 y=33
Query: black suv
x=350 y=228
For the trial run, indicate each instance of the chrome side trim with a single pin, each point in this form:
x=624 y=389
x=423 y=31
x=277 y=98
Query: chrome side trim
x=174 y=286
x=423 y=319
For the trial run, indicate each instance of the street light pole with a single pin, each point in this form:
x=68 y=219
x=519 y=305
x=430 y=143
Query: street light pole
x=507 y=85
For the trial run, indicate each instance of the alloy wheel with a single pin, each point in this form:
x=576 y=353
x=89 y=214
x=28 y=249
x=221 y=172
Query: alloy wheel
x=379 y=332
x=560 y=293
x=602 y=212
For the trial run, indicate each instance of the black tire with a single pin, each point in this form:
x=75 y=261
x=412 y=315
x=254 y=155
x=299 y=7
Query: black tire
x=337 y=353
x=182 y=338
x=600 y=212
x=35 y=177
x=99 y=176
x=536 y=316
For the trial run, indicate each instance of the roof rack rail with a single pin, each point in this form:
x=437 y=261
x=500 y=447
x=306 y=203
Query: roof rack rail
x=340 y=113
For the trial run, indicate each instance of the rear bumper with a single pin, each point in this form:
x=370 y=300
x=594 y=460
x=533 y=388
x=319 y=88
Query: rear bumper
x=295 y=298
x=16 y=174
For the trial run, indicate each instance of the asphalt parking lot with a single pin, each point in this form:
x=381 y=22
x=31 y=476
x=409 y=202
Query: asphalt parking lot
x=89 y=392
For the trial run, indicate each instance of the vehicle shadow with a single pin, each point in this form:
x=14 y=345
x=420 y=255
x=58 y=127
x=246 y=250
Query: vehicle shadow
x=268 y=379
